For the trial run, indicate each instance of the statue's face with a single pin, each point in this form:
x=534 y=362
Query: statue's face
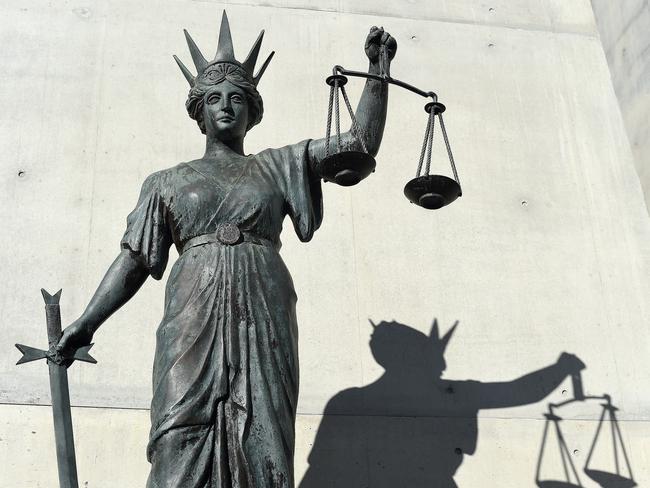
x=225 y=112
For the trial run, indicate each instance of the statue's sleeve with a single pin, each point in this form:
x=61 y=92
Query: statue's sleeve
x=301 y=188
x=147 y=232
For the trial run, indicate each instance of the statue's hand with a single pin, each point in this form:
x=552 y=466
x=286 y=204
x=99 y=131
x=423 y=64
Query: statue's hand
x=570 y=363
x=76 y=335
x=379 y=40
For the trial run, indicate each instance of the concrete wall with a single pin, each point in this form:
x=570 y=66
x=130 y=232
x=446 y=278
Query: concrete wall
x=624 y=28
x=547 y=251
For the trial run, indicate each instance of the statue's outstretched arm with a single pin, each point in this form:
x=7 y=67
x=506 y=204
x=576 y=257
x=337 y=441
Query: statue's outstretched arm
x=371 y=111
x=530 y=388
x=122 y=280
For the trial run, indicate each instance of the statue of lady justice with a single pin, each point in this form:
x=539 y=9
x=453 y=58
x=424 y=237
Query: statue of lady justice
x=225 y=374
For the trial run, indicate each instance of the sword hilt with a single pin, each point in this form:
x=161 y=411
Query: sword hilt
x=53 y=321
x=52 y=317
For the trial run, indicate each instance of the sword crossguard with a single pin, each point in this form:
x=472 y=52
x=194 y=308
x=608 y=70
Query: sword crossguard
x=53 y=355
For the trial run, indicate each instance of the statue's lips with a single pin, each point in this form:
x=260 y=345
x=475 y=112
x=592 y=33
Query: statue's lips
x=225 y=119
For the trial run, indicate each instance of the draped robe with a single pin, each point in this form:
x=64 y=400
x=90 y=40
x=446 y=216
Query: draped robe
x=225 y=375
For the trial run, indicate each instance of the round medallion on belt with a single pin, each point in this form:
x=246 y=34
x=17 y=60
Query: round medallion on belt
x=228 y=233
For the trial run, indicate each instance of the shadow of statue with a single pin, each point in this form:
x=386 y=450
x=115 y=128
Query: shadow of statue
x=412 y=428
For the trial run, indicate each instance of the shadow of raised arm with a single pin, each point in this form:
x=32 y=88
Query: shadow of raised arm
x=530 y=388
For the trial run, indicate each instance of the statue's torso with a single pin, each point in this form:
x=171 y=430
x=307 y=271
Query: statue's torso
x=200 y=195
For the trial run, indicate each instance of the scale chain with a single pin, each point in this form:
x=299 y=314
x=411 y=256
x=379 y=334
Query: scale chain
x=566 y=457
x=424 y=146
x=329 y=122
x=593 y=444
x=613 y=427
x=427 y=169
x=451 y=156
x=357 y=131
x=620 y=438
x=337 y=116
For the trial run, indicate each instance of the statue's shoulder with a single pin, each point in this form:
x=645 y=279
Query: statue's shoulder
x=168 y=175
x=290 y=151
x=345 y=402
x=163 y=181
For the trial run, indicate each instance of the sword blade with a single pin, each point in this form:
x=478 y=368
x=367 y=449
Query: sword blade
x=63 y=434
x=63 y=437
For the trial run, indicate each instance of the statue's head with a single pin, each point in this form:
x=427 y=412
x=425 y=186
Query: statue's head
x=223 y=97
x=224 y=102
x=398 y=347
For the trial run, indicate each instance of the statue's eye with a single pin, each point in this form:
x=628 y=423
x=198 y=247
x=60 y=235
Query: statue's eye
x=237 y=98
x=212 y=99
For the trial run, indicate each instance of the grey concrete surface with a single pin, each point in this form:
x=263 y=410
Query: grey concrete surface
x=547 y=251
x=624 y=28
x=111 y=443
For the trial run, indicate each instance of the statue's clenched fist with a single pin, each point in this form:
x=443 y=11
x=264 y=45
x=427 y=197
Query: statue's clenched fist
x=76 y=335
x=570 y=363
x=378 y=39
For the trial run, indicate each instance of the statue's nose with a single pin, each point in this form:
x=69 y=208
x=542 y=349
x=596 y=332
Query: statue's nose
x=226 y=106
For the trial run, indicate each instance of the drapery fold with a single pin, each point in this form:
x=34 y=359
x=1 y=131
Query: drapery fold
x=225 y=376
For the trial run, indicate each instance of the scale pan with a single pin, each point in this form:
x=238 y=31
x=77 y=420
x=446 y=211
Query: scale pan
x=347 y=168
x=432 y=191
x=609 y=480
x=556 y=484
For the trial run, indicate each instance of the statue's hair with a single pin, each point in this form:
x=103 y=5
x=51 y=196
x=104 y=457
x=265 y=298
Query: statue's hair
x=216 y=74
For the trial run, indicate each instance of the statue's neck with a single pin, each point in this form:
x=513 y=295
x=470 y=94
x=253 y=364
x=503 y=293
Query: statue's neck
x=408 y=378
x=215 y=148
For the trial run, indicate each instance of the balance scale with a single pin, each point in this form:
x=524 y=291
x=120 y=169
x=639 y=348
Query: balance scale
x=349 y=167
x=618 y=479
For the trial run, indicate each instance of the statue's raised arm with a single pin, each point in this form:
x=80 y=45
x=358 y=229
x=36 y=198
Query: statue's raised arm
x=371 y=111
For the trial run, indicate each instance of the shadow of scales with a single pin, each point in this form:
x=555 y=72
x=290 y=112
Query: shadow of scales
x=605 y=479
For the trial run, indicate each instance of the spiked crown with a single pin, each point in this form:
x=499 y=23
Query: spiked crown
x=438 y=343
x=225 y=54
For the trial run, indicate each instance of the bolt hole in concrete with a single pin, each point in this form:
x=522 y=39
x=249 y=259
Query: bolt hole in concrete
x=491 y=9
x=82 y=12
x=563 y=392
x=21 y=173
x=491 y=45
x=524 y=203
x=576 y=452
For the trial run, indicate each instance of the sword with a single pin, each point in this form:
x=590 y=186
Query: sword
x=58 y=365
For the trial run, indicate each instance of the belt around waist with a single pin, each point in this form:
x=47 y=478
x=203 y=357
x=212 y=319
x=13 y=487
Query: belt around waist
x=228 y=235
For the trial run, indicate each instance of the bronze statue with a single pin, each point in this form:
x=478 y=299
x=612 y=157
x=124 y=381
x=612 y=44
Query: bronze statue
x=225 y=376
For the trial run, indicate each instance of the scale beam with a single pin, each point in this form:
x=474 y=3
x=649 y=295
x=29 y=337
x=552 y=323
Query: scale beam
x=385 y=79
x=607 y=398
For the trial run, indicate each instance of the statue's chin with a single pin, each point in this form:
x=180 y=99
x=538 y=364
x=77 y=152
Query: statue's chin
x=228 y=133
